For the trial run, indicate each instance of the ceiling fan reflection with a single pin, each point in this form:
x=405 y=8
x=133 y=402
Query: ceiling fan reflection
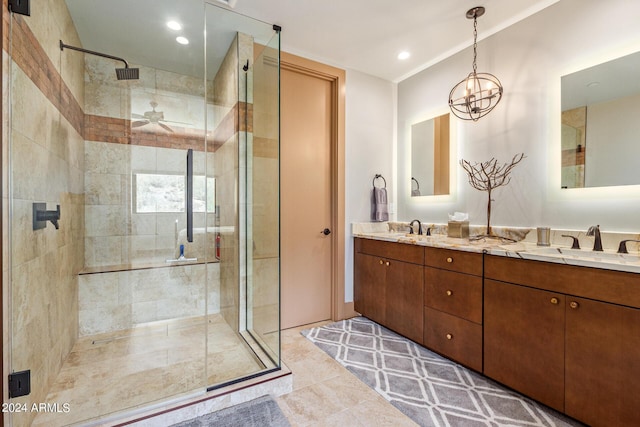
x=154 y=117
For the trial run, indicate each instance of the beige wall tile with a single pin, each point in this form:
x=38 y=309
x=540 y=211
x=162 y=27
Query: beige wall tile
x=103 y=251
x=29 y=108
x=143 y=159
x=103 y=189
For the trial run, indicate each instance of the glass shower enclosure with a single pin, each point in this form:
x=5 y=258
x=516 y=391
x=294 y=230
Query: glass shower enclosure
x=143 y=238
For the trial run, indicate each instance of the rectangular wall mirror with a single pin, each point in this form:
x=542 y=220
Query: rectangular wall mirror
x=430 y=151
x=600 y=125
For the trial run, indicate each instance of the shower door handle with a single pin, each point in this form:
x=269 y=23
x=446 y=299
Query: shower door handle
x=189 y=195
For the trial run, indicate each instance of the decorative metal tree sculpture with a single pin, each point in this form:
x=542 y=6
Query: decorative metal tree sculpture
x=487 y=176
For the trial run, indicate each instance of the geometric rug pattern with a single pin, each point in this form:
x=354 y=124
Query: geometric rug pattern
x=260 y=412
x=429 y=389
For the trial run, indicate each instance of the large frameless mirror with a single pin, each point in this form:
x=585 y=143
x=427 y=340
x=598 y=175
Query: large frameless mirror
x=600 y=126
x=430 y=156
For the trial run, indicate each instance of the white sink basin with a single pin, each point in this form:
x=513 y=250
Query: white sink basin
x=585 y=254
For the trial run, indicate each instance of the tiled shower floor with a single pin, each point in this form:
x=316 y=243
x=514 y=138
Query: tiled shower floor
x=122 y=370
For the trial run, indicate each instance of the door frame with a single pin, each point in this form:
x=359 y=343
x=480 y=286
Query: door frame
x=336 y=77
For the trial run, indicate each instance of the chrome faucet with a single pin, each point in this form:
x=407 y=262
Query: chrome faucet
x=419 y=226
x=594 y=230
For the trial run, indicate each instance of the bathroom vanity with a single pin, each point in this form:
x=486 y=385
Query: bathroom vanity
x=565 y=335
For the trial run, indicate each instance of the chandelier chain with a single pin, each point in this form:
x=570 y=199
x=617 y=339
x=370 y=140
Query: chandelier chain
x=475 y=43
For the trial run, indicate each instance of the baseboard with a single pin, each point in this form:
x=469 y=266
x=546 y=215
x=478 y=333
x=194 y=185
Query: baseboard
x=349 y=311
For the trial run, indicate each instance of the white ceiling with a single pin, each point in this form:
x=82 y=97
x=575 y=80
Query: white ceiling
x=363 y=35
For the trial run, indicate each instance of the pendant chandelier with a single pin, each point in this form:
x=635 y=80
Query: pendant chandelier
x=478 y=93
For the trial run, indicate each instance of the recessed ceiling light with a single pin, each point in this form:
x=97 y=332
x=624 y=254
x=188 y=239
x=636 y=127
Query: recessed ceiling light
x=230 y=3
x=182 y=40
x=403 y=55
x=174 y=25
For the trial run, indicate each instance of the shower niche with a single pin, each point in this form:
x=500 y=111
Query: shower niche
x=159 y=283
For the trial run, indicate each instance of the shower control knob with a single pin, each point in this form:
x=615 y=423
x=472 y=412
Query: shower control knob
x=326 y=231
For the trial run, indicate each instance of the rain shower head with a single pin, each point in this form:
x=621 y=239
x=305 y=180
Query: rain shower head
x=125 y=73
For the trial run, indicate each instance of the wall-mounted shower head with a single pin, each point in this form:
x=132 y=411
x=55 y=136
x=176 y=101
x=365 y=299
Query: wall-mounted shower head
x=125 y=73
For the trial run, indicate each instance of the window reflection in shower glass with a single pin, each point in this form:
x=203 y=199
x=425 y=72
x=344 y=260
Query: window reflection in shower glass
x=156 y=193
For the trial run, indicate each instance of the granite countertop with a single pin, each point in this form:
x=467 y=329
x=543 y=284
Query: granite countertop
x=609 y=260
x=525 y=248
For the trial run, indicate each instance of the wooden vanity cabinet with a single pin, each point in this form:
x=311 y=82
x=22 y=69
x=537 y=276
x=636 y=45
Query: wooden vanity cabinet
x=602 y=363
x=567 y=336
x=388 y=285
x=453 y=305
x=524 y=340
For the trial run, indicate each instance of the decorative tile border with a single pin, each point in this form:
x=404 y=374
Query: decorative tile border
x=29 y=55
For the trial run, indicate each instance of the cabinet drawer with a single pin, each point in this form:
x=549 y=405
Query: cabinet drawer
x=617 y=287
x=460 y=261
x=453 y=293
x=391 y=250
x=453 y=337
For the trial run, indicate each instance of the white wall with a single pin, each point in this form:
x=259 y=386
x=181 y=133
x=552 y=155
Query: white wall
x=369 y=149
x=529 y=58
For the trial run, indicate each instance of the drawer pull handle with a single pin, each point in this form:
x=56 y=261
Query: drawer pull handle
x=574 y=305
x=449 y=292
x=381 y=262
x=449 y=336
x=554 y=300
x=449 y=260
x=388 y=263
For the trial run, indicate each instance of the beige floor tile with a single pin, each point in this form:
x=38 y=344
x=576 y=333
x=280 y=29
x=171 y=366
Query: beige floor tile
x=381 y=413
x=327 y=394
x=125 y=369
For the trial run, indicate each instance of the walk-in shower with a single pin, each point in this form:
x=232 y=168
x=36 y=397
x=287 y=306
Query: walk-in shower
x=161 y=281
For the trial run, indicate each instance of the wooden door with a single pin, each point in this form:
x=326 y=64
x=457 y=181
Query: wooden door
x=602 y=367
x=524 y=340
x=306 y=252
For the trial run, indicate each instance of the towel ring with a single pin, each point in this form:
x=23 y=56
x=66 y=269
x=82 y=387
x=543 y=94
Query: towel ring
x=417 y=183
x=379 y=176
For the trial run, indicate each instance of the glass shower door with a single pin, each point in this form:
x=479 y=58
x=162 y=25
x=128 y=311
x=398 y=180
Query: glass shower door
x=99 y=318
x=263 y=213
x=116 y=301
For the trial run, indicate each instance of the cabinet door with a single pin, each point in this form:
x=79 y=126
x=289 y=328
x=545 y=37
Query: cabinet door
x=404 y=293
x=524 y=340
x=369 y=287
x=602 y=363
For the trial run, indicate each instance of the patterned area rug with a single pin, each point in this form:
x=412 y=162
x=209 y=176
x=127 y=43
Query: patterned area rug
x=428 y=388
x=261 y=412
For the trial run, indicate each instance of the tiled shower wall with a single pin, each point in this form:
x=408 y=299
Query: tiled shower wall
x=47 y=162
x=115 y=234
x=121 y=300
